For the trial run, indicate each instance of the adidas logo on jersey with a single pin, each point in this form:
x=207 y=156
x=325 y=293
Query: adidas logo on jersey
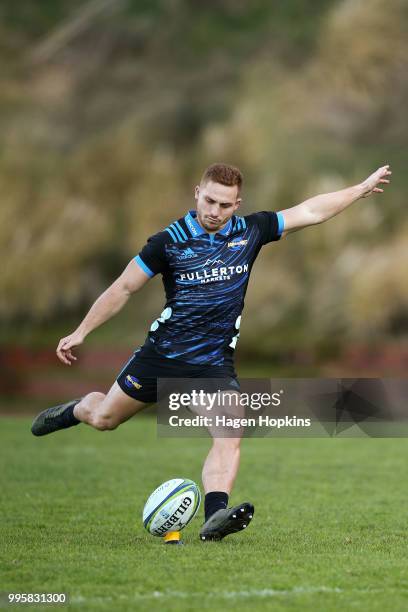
x=187 y=254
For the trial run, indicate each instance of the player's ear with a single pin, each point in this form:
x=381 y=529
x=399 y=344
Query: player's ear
x=238 y=202
x=196 y=191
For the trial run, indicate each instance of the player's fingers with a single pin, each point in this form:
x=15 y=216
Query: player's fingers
x=62 y=349
x=378 y=190
x=68 y=359
x=384 y=181
x=62 y=358
x=70 y=355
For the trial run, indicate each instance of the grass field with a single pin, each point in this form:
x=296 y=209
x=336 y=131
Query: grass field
x=329 y=531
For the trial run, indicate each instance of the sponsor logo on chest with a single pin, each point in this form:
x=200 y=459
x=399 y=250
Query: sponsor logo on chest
x=235 y=244
x=210 y=275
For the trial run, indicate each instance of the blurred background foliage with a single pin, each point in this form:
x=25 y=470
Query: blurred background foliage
x=110 y=110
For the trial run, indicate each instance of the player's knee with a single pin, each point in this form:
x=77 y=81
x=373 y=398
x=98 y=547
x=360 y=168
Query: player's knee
x=227 y=443
x=90 y=404
x=104 y=422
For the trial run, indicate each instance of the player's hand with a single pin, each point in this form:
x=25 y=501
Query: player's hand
x=373 y=183
x=65 y=346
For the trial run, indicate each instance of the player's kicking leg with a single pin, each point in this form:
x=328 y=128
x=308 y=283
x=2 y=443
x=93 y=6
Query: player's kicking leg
x=96 y=409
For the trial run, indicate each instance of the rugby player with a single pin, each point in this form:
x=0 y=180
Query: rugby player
x=205 y=259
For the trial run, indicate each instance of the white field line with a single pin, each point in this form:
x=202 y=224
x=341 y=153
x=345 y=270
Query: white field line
x=256 y=593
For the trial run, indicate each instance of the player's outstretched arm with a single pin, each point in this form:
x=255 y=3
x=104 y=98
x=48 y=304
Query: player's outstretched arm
x=327 y=205
x=108 y=304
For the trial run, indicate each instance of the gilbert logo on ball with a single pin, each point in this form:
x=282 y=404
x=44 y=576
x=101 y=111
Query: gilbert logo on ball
x=171 y=506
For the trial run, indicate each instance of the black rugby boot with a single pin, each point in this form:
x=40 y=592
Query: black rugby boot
x=226 y=521
x=55 y=418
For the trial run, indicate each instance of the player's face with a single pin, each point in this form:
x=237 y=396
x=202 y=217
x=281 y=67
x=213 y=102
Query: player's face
x=216 y=204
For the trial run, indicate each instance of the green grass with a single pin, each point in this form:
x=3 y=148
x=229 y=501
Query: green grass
x=329 y=532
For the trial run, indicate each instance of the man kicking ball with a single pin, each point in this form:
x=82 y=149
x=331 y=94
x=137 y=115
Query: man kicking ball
x=205 y=259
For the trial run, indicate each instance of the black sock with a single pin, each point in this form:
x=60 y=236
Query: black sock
x=68 y=417
x=215 y=500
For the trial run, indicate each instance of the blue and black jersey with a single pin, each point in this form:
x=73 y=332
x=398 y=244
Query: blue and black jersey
x=205 y=278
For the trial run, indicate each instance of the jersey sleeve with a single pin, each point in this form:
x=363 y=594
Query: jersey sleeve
x=270 y=224
x=152 y=258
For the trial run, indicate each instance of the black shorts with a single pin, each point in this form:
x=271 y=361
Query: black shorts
x=138 y=378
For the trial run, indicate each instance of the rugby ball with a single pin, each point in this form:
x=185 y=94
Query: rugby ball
x=171 y=506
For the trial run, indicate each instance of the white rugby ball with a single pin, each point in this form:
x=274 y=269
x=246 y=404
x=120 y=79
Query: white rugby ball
x=171 y=506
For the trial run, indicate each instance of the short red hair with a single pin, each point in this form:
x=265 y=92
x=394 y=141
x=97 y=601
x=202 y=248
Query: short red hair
x=223 y=174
